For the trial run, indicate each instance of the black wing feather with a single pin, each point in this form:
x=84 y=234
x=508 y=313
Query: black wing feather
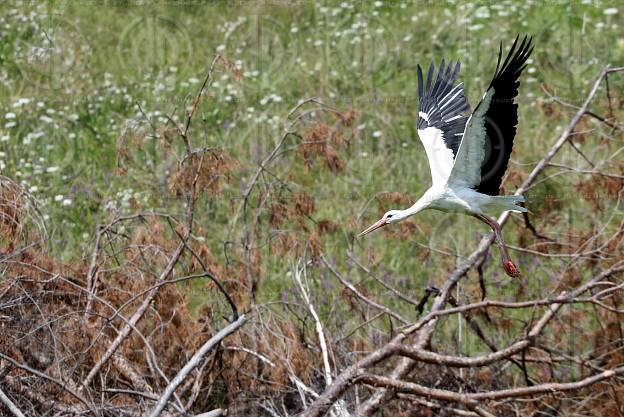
x=443 y=103
x=501 y=117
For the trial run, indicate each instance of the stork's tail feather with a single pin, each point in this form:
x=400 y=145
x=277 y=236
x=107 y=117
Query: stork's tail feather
x=509 y=202
x=517 y=203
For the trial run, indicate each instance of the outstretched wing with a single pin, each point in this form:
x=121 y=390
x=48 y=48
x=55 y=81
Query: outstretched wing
x=441 y=120
x=486 y=144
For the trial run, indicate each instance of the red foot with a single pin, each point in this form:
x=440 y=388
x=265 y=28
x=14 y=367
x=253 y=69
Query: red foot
x=511 y=269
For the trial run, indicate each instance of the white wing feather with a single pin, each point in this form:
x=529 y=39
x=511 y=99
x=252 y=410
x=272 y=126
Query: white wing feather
x=440 y=157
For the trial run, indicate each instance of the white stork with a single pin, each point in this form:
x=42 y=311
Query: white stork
x=468 y=156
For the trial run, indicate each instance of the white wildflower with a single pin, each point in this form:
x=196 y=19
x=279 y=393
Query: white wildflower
x=482 y=13
x=21 y=101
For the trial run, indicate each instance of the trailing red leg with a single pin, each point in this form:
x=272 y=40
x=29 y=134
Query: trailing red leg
x=508 y=265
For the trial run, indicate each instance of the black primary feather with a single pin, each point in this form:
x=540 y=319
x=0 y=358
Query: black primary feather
x=443 y=104
x=501 y=117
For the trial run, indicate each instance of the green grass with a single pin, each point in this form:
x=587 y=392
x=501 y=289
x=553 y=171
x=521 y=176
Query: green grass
x=80 y=69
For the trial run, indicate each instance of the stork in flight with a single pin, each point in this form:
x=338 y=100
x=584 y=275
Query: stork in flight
x=468 y=156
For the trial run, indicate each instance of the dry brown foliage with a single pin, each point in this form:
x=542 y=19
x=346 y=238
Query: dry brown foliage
x=323 y=141
x=208 y=169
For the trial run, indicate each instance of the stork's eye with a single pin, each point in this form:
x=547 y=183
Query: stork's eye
x=389 y=215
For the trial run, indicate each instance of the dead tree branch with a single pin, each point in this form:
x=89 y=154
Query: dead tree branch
x=194 y=362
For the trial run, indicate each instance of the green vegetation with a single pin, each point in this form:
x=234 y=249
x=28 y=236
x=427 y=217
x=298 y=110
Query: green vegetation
x=85 y=90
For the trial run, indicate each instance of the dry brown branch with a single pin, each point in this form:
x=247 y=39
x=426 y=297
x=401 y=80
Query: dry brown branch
x=10 y=404
x=32 y=394
x=361 y=296
x=61 y=384
x=194 y=362
x=214 y=413
x=474 y=398
x=382 y=283
x=125 y=331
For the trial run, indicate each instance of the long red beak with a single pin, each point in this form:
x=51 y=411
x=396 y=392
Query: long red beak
x=374 y=226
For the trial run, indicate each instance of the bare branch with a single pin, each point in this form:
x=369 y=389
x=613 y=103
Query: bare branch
x=194 y=362
x=10 y=405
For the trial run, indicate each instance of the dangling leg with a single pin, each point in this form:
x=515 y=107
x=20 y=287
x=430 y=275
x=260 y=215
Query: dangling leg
x=510 y=268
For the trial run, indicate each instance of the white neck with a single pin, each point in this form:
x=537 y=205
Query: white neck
x=420 y=205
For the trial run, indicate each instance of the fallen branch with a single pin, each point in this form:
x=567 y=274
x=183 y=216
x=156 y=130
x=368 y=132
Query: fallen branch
x=214 y=413
x=474 y=398
x=193 y=363
x=64 y=386
x=361 y=296
x=10 y=405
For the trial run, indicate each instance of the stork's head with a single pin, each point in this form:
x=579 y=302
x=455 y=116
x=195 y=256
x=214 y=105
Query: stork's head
x=390 y=217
